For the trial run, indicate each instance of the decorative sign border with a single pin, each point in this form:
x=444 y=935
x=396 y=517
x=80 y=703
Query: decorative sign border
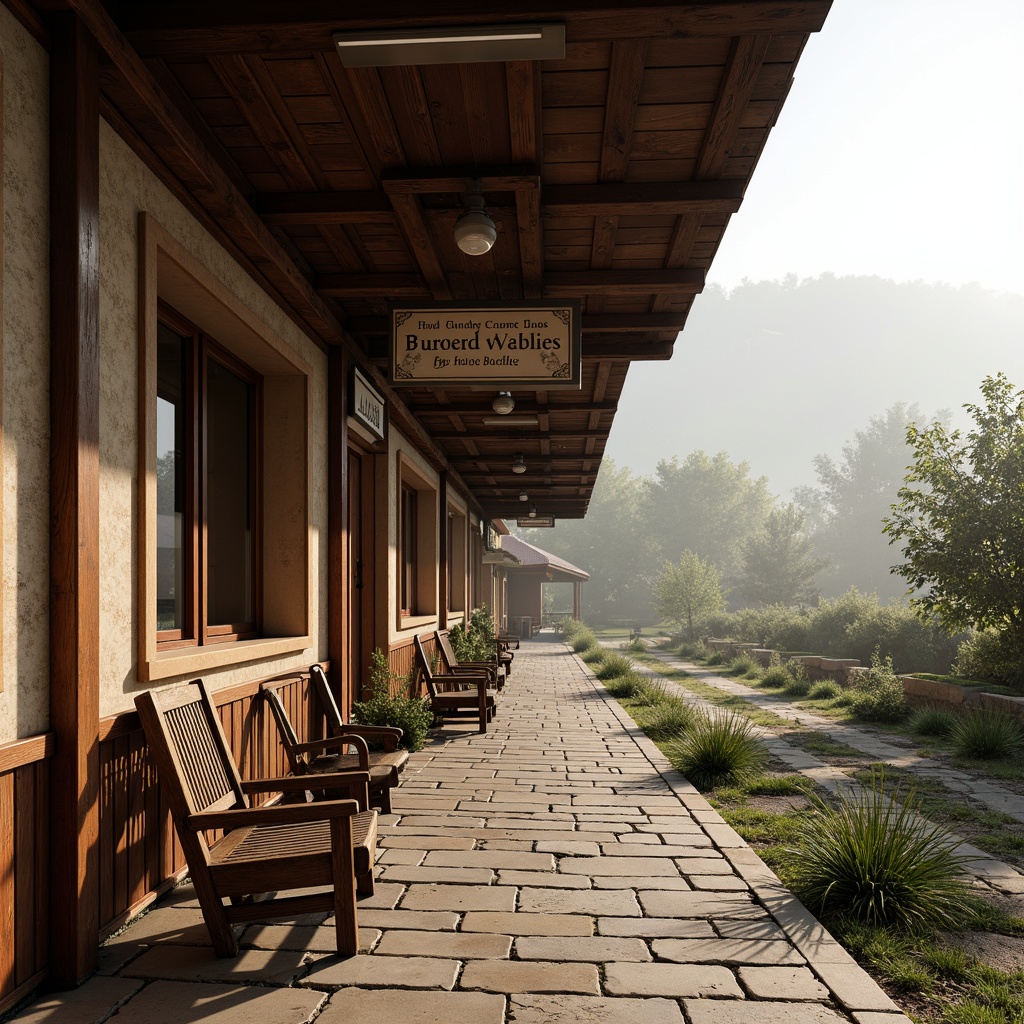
x=470 y=344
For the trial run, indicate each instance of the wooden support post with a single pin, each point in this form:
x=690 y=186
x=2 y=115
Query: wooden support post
x=442 y=552
x=74 y=500
x=338 y=569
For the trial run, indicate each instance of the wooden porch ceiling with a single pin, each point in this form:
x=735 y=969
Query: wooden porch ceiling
x=611 y=175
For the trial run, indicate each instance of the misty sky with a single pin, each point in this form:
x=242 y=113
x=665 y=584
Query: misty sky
x=899 y=154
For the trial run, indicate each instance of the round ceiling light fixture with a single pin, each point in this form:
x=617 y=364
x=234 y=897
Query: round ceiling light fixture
x=518 y=463
x=503 y=403
x=523 y=496
x=532 y=513
x=475 y=232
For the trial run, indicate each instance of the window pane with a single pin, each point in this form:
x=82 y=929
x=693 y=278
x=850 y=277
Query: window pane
x=170 y=479
x=229 y=512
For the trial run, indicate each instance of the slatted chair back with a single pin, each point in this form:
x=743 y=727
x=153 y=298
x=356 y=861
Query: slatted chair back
x=325 y=697
x=423 y=664
x=444 y=641
x=196 y=769
x=289 y=738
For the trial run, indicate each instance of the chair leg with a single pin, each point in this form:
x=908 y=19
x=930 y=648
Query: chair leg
x=483 y=713
x=222 y=935
x=346 y=927
x=385 y=800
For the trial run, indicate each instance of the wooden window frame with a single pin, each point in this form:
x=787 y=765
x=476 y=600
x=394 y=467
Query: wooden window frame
x=408 y=553
x=283 y=579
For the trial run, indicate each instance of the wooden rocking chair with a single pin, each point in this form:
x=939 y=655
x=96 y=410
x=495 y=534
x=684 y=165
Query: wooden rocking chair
x=265 y=849
x=455 y=693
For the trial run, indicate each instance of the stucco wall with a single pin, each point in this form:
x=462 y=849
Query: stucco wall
x=127 y=187
x=24 y=702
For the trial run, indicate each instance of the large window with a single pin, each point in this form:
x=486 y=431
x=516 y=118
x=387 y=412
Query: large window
x=416 y=545
x=208 y=537
x=225 y=527
x=456 y=560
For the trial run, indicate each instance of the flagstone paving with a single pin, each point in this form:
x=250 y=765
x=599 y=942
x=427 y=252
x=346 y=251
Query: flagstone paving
x=552 y=870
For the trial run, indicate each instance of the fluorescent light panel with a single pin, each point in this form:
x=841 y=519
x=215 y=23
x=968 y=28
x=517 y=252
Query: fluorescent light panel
x=510 y=421
x=451 y=45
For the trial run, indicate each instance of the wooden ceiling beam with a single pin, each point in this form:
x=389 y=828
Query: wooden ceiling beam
x=196 y=27
x=522 y=408
x=615 y=348
x=522 y=90
x=567 y=284
x=419 y=181
x=374 y=286
x=607 y=199
x=300 y=208
x=489 y=434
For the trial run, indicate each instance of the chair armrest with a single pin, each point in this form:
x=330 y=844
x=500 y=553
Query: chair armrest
x=279 y=814
x=304 y=783
x=474 y=666
x=329 y=742
x=391 y=735
x=466 y=683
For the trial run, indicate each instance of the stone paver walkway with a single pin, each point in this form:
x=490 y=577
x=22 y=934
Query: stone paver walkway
x=553 y=870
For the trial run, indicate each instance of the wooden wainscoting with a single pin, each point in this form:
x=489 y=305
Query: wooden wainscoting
x=24 y=865
x=402 y=659
x=139 y=854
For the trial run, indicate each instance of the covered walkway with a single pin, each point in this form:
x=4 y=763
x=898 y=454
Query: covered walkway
x=552 y=870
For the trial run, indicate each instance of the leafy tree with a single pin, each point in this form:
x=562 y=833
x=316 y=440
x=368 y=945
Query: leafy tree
x=611 y=544
x=687 y=592
x=960 y=517
x=778 y=564
x=853 y=496
x=708 y=505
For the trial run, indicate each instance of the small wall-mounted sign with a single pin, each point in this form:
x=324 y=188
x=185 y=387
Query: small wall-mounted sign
x=536 y=523
x=367 y=407
x=509 y=345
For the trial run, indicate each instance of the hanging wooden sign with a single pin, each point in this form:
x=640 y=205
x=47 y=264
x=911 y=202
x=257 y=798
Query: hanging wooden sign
x=452 y=344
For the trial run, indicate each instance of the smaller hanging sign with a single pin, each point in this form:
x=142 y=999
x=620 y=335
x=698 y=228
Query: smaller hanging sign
x=464 y=344
x=367 y=406
x=536 y=523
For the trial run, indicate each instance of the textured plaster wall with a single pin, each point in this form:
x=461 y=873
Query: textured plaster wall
x=126 y=188
x=24 y=701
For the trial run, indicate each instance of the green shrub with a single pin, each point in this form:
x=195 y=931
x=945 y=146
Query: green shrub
x=743 y=665
x=845 y=699
x=717 y=748
x=669 y=720
x=798 y=686
x=933 y=722
x=593 y=655
x=988 y=655
x=825 y=689
x=878 y=695
x=410 y=714
x=614 y=665
x=692 y=650
x=776 y=676
x=986 y=735
x=872 y=860
x=715 y=658
x=475 y=640
x=635 y=645
x=570 y=627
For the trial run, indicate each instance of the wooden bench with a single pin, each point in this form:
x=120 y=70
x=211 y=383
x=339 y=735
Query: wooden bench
x=264 y=849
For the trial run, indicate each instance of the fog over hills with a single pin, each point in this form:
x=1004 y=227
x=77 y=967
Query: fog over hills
x=776 y=372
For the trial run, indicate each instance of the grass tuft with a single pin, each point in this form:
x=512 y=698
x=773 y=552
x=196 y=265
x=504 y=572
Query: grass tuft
x=614 y=665
x=669 y=720
x=933 y=722
x=718 y=748
x=872 y=860
x=986 y=735
x=825 y=689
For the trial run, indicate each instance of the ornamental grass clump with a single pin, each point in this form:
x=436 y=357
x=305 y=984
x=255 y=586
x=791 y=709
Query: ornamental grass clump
x=719 y=748
x=625 y=685
x=933 y=722
x=583 y=641
x=825 y=689
x=987 y=735
x=776 y=676
x=669 y=720
x=872 y=860
x=648 y=693
x=799 y=685
x=594 y=655
x=612 y=666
